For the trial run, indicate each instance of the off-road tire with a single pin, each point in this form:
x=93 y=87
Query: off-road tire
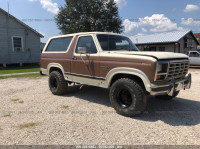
x=57 y=83
x=167 y=97
x=127 y=88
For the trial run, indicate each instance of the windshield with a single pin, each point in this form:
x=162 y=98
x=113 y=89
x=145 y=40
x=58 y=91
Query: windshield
x=116 y=43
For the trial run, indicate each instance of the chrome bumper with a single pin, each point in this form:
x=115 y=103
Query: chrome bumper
x=170 y=88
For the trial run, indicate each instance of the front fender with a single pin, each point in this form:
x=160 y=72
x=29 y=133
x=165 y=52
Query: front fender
x=130 y=71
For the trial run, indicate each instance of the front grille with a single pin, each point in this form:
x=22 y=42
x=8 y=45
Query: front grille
x=177 y=69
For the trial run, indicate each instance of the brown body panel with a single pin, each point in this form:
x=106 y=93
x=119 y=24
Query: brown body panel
x=148 y=67
x=86 y=65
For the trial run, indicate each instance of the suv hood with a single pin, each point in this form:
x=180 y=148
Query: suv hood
x=157 y=55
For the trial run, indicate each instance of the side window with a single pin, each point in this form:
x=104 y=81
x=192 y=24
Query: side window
x=104 y=42
x=17 y=44
x=86 y=44
x=191 y=54
x=59 y=44
x=194 y=54
x=123 y=44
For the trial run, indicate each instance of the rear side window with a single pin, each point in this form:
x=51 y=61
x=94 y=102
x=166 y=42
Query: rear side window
x=59 y=44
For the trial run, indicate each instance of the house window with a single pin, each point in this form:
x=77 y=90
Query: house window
x=17 y=44
x=146 y=48
x=161 y=48
x=152 y=49
x=189 y=43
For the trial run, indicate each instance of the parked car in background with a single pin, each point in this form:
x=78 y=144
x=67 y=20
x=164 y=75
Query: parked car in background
x=194 y=57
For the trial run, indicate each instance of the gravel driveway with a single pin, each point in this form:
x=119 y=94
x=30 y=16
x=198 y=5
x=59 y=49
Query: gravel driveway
x=30 y=115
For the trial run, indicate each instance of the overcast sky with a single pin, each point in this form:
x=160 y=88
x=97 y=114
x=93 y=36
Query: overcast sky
x=139 y=16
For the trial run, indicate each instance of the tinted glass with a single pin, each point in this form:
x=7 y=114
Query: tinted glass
x=59 y=44
x=116 y=43
x=194 y=54
x=87 y=43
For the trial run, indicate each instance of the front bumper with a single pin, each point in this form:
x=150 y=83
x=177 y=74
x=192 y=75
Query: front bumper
x=171 y=87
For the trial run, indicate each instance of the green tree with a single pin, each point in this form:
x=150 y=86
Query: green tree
x=89 y=15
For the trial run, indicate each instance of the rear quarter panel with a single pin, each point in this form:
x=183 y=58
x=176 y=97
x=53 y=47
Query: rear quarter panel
x=64 y=58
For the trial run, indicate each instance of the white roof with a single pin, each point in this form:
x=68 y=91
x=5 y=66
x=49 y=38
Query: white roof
x=86 y=33
x=166 y=37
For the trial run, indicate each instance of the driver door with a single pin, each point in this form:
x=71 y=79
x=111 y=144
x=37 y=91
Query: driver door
x=85 y=61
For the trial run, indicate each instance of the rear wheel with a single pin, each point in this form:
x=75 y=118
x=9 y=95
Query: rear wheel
x=128 y=97
x=167 y=97
x=57 y=83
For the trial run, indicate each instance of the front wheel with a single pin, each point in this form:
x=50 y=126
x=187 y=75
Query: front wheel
x=167 y=97
x=57 y=83
x=128 y=97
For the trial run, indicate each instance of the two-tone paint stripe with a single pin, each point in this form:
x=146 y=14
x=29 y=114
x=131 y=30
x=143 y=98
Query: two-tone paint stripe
x=85 y=76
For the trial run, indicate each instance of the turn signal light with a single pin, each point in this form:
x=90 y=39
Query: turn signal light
x=158 y=77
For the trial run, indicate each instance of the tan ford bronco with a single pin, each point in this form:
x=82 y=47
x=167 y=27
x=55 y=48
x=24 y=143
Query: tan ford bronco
x=112 y=61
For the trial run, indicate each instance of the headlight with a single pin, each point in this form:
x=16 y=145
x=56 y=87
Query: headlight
x=159 y=68
x=162 y=69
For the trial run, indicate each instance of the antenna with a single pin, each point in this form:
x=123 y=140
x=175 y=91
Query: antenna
x=8 y=7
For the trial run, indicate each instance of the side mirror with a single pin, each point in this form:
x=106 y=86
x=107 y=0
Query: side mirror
x=82 y=50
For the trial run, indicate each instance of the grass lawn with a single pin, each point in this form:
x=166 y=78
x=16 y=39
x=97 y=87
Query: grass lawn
x=22 y=76
x=23 y=69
